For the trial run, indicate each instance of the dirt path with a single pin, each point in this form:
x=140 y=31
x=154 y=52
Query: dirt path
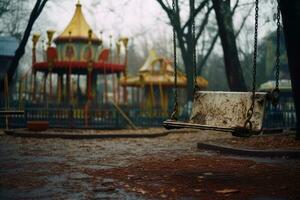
x=206 y=177
x=169 y=167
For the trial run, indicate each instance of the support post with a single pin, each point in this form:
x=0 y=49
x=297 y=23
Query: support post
x=118 y=88
x=78 y=88
x=94 y=85
x=50 y=83
x=59 y=87
x=290 y=11
x=138 y=96
x=105 y=87
x=44 y=87
x=114 y=87
x=33 y=93
x=68 y=87
x=89 y=84
x=35 y=39
x=125 y=92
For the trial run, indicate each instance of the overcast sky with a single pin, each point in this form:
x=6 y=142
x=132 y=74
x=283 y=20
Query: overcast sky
x=129 y=18
x=139 y=19
x=119 y=17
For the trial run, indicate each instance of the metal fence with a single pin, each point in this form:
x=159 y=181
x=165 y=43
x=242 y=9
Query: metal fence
x=283 y=115
x=107 y=117
x=100 y=117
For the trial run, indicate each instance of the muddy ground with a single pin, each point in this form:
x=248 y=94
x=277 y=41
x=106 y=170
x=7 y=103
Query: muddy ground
x=169 y=167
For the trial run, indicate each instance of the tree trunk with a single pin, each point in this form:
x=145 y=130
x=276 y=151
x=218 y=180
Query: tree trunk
x=36 y=11
x=187 y=60
x=233 y=68
x=290 y=11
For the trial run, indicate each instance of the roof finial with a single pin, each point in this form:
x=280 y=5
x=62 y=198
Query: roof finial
x=78 y=3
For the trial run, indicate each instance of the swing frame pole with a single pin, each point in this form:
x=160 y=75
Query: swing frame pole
x=290 y=11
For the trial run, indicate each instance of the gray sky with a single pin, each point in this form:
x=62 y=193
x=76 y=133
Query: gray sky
x=143 y=20
x=119 y=17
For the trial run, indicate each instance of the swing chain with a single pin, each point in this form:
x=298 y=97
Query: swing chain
x=275 y=92
x=174 y=114
x=248 y=123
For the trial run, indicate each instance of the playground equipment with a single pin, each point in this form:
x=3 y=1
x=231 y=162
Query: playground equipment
x=77 y=62
x=240 y=113
x=155 y=80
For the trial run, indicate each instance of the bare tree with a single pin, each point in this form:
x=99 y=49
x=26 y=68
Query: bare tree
x=36 y=11
x=13 y=16
x=228 y=40
x=4 y=7
x=184 y=32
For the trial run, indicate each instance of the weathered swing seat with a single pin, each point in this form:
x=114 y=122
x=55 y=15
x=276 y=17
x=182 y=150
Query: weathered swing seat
x=223 y=111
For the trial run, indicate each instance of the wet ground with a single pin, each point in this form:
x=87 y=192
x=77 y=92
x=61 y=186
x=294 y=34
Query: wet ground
x=169 y=167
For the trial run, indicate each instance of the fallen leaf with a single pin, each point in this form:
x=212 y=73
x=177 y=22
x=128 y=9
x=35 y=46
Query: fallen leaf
x=198 y=190
x=227 y=191
x=141 y=191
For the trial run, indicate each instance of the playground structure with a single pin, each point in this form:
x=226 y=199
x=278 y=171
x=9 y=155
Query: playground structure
x=78 y=61
x=155 y=79
x=70 y=87
x=79 y=83
x=241 y=113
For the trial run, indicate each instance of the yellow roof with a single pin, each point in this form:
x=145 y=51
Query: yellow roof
x=78 y=26
x=165 y=80
x=159 y=71
x=147 y=65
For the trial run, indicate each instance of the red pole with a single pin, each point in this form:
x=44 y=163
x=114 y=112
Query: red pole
x=50 y=84
x=34 y=86
x=44 y=89
x=89 y=85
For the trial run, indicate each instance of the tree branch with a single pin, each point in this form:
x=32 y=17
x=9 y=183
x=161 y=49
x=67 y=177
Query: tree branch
x=167 y=9
x=204 y=60
x=234 y=7
x=41 y=7
x=196 y=11
x=203 y=24
x=244 y=21
x=21 y=49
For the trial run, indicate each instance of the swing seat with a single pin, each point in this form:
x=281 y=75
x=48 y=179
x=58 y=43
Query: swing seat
x=223 y=111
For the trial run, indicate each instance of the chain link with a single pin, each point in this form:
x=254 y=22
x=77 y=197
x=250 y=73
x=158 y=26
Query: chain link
x=174 y=114
x=248 y=123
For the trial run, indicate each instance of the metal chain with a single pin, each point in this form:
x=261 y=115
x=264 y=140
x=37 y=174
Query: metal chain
x=275 y=92
x=196 y=88
x=174 y=114
x=248 y=123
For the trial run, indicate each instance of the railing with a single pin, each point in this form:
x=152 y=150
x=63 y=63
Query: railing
x=95 y=117
x=281 y=116
x=105 y=116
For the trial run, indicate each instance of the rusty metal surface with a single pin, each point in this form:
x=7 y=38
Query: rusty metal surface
x=227 y=109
